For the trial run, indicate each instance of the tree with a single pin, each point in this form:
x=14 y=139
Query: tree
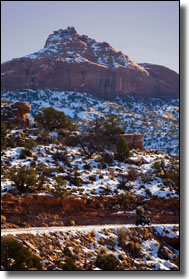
x=108 y=125
x=51 y=119
x=108 y=262
x=101 y=134
x=24 y=178
x=14 y=256
x=3 y=135
x=122 y=150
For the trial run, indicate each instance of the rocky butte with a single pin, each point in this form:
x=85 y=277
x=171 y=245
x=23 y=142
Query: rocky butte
x=70 y=61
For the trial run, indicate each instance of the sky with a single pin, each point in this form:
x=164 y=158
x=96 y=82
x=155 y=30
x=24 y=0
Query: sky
x=147 y=31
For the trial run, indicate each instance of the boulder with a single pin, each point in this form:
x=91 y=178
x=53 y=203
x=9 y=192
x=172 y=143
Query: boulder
x=16 y=115
x=22 y=107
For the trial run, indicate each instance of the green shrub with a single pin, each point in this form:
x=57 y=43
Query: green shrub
x=59 y=187
x=108 y=262
x=30 y=144
x=24 y=178
x=51 y=119
x=126 y=199
x=122 y=150
x=14 y=256
x=76 y=180
x=132 y=174
x=25 y=153
x=70 y=264
x=157 y=166
x=172 y=178
x=67 y=252
x=111 y=125
x=87 y=167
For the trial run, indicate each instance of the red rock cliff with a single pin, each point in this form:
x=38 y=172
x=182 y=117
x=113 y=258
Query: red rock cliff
x=73 y=62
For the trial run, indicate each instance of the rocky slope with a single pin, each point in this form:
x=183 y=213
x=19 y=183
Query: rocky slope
x=69 y=61
x=87 y=248
x=156 y=119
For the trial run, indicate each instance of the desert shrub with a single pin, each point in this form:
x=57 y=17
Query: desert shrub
x=76 y=180
x=172 y=178
x=30 y=144
x=139 y=210
x=72 y=223
x=107 y=158
x=103 y=250
x=157 y=166
x=107 y=262
x=121 y=257
x=3 y=135
x=70 y=264
x=25 y=179
x=67 y=252
x=62 y=132
x=122 y=150
x=14 y=256
x=110 y=125
x=59 y=187
x=51 y=119
x=12 y=144
x=126 y=199
x=132 y=174
x=3 y=219
x=62 y=157
x=87 y=167
x=123 y=182
x=132 y=248
x=25 y=153
x=122 y=233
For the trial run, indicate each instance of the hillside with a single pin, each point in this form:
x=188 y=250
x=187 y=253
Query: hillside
x=156 y=119
x=103 y=247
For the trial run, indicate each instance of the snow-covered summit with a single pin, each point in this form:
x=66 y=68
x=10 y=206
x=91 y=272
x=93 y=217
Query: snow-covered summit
x=67 y=43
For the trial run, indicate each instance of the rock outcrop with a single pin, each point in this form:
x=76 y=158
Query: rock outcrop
x=16 y=114
x=39 y=210
x=78 y=63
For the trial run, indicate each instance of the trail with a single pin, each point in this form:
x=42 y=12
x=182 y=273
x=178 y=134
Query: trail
x=72 y=228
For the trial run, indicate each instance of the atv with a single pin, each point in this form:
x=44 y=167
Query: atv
x=142 y=220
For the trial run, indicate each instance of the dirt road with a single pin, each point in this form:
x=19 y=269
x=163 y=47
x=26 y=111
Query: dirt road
x=72 y=228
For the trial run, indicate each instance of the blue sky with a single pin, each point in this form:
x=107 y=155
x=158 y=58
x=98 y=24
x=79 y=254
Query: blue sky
x=147 y=31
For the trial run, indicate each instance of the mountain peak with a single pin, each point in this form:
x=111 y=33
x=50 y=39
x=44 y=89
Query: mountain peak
x=60 y=35
x=70 y=61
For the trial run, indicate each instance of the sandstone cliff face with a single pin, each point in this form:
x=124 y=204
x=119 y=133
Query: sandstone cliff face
x=73 y=62
x=39 y=210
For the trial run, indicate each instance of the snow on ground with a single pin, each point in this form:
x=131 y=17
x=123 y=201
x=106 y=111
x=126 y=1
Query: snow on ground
x=156 y=119
x=159 y=228
x=92 y=239
x=95 y=181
